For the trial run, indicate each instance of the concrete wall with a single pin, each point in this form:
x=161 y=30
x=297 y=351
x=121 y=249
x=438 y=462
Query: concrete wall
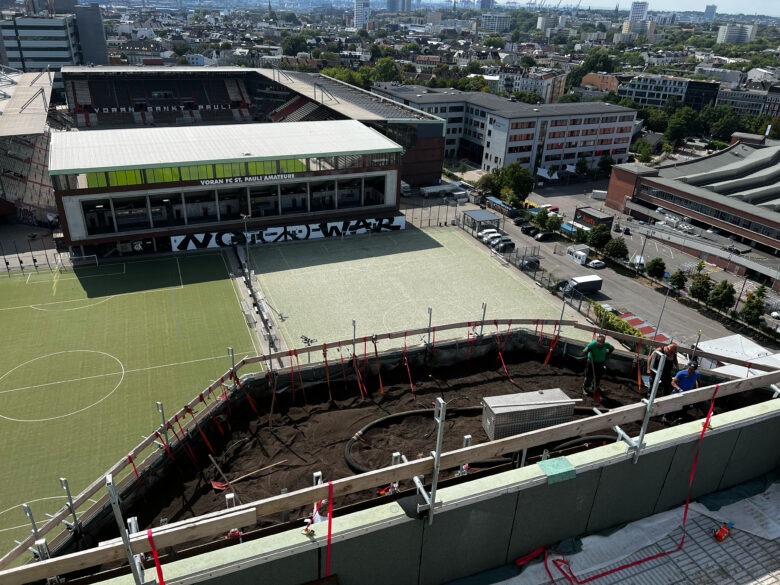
x=491 y=521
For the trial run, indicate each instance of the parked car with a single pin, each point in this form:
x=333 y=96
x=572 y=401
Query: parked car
x=775 y=314
x=544 y=236
x=617 y=228
x=597 y=264
x=627 y=231
x=490 y=235
x=520 y=220
x=529 y=264
x=505 y=247
x=481 y=234
x=529 y=230
x=495 y=242
x=732 y=249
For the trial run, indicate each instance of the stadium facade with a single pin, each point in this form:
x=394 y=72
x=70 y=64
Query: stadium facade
x=174 y=189
x=173 y=159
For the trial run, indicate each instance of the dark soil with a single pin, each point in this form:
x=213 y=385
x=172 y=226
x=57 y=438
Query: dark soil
x=307 y=434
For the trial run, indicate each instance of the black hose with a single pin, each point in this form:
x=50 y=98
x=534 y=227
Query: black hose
x=357 y=468
x=580 y=440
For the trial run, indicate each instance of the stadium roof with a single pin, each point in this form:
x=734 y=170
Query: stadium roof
x=24 y=102
x=137 y=148
x=347 y=99
x=344 y=98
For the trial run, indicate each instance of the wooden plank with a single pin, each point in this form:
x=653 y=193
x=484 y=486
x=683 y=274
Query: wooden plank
x=114 y=551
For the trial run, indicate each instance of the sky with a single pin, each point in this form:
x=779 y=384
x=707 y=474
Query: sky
x=768 y=7
x=749 y=7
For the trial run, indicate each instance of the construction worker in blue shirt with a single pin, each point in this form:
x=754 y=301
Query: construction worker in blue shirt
x=686 y=379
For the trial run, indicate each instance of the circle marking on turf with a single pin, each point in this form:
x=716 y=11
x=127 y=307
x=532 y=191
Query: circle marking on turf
x=121 y=379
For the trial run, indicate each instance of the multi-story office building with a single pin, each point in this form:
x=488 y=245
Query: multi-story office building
x=362 y=12
x=772 y=103
x=495 y=23
x=546 y=22
x=709 y=12
x=736 y=34
x=37 y=44
x=745 y=102
x=653 y=90
x=92 y=38
x=638 y=11
x=700 y=93
x=495 y=132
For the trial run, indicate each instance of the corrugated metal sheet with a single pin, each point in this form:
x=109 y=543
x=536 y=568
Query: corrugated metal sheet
x=74 y=152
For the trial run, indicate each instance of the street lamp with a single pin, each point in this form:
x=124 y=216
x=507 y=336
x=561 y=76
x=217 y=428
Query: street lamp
x=245 y=217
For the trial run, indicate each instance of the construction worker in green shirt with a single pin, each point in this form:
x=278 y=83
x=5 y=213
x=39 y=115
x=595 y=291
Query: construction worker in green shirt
x=597 y=351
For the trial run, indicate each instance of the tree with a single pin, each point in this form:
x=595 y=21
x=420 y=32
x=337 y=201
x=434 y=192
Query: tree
x=554 y=223
x=582 y=166
x=494 y=41
x=385 y=70
x=616 y=249
x=656 y=268
x=722 y=296
x=701 y=287
x=527 y=97
x=606 y=163
x=518 y=179
x=599 y=237
x=490 y=184
x=541 y=218
x=294 y=44
x=753 y=308
x=678 y=279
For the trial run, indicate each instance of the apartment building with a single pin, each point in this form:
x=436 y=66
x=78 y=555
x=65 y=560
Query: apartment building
x=653 y=90
x=495 y=23
x=495 y=132
x=549 y=84
x=736 y=34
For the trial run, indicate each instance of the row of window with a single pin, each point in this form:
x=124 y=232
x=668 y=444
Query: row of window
x=129 y=214
x=704 y=209
x=221 y=171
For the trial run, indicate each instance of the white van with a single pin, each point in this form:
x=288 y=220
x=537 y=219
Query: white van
x=578 y=253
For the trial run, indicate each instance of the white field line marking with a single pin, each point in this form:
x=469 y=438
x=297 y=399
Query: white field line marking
x=234 y=286
x=111 y=374
x=181 y=280
x=28 y=278
x=61 y=279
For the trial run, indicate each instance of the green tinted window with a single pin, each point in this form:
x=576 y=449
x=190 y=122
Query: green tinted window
x=96 y=180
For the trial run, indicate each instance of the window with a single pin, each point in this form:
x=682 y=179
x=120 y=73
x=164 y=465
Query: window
x=98 y=216
x=131 y=214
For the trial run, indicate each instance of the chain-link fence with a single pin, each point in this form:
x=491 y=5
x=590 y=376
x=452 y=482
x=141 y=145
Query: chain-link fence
x=429 y=212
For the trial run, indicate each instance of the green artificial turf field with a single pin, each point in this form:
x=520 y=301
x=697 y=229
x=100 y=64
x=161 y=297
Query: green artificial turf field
x=86 y=355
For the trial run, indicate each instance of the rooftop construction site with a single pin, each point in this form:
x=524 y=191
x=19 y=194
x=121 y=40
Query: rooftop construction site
x=291 y=466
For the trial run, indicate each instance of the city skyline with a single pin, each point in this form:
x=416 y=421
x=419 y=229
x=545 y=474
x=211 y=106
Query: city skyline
x=724 y=6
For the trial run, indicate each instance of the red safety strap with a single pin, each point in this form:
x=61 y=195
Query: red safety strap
x=330 y=528
x=562 y=564
x=172 y=428
x=361 y=386
x=200 y=430
x=165 y=446
x=212 y=417
x=137 y=477
x=327 y=369
x=553 y=343
x=224 y=396
x=190 y=452
x=343 y=366
x=501 y=357
x=292 y=373
x=378 y=366
x=365 y=357
x=157 y=565
x=405 y=361
x=300 y=376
